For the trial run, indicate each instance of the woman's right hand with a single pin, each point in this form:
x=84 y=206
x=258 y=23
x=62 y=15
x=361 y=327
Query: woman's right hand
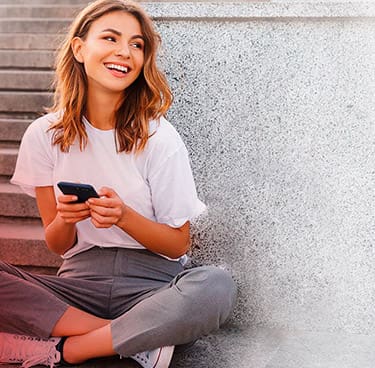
x=70 y=212
x=59 y=218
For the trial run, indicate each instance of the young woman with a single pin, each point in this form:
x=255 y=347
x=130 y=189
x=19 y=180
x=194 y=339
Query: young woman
x=122 y=288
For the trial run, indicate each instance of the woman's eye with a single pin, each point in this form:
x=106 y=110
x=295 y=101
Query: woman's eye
x=110 y=38
x=137 y=45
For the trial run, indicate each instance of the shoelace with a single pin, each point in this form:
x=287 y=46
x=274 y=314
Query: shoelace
x=143 y=357
x=49 y=358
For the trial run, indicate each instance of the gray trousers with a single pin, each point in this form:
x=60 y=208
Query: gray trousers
x=150 y=300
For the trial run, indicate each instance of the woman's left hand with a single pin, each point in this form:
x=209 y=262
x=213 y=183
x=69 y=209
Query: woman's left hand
x=108 y=210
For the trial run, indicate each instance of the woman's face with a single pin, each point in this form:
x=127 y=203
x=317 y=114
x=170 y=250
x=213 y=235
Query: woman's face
x=112 y=52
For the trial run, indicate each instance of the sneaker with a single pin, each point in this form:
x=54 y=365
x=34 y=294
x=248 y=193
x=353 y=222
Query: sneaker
x=28 y=350
x=158 y=358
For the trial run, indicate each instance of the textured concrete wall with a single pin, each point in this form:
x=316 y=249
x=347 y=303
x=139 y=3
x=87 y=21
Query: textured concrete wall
x=276 y=104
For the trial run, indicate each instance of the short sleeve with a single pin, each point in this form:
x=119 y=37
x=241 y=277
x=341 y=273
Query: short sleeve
x=34 y=165
x=173 y=191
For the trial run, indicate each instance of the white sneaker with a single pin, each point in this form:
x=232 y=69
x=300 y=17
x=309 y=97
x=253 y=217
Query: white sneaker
x=158 y=358
x=28 y=350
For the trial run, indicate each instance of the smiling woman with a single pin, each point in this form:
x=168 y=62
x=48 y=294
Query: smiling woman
x=121 y=37
x=122 y=288
x=112 y=56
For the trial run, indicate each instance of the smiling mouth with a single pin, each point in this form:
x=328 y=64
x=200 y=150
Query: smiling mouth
x=120 y=68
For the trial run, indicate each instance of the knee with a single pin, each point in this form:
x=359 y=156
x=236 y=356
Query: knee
x=220 y=286
x=217 y=290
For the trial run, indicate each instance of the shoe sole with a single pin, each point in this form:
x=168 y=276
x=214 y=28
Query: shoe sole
x=165 y=357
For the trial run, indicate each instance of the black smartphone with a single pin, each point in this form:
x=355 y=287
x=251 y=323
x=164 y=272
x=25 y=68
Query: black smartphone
x=82 y=191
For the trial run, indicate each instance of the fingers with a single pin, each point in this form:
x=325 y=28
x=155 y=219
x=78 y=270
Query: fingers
x=106 y=210
x=75 y=218
x=72 y=212
x=101 y=221
x=107 y=192
x=106 y=216
x=107 y=195
x=108 y=200
x=66 y=198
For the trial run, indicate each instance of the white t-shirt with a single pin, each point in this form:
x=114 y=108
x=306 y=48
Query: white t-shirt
x=157 y=182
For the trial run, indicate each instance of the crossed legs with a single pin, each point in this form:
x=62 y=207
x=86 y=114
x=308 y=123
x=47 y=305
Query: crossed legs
x=88 y=336
x=194 y=303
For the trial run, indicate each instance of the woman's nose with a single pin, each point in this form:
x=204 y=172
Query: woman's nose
x=123 y=50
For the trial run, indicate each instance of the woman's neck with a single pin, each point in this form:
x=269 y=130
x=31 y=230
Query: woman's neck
x=101 y=110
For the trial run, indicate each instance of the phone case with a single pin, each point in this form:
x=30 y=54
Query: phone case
x=82 y=191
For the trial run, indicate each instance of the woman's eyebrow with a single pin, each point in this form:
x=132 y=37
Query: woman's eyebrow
x=137 y=36
x=118 y=33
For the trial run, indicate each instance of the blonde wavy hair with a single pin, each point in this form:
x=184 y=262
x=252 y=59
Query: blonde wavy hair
x=149 y=97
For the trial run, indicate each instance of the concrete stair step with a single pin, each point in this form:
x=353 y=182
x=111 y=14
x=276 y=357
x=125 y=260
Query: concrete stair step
x=29 y=41
x=23 y=80
x=40 y=59
x=12 y=130
x=15 y=203
x=24 y=102
x=34 y=25
x=29 y=116
x=22 y=243
x=8 y=158
x=39 y=10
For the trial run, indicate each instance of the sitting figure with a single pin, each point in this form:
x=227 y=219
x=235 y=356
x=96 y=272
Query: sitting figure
x=122 y=288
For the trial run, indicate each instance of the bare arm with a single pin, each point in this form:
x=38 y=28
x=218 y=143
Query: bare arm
x=159 y=238
x=59 y=219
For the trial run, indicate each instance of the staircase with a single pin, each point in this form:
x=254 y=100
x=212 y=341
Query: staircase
x=29 y=34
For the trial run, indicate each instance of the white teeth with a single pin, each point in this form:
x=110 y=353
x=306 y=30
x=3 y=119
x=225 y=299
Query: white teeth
x=121 y=68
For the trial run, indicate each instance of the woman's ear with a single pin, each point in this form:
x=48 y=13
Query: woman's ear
x=76 y=46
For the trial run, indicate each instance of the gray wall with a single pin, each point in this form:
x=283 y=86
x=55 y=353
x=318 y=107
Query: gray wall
x=275 y=102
